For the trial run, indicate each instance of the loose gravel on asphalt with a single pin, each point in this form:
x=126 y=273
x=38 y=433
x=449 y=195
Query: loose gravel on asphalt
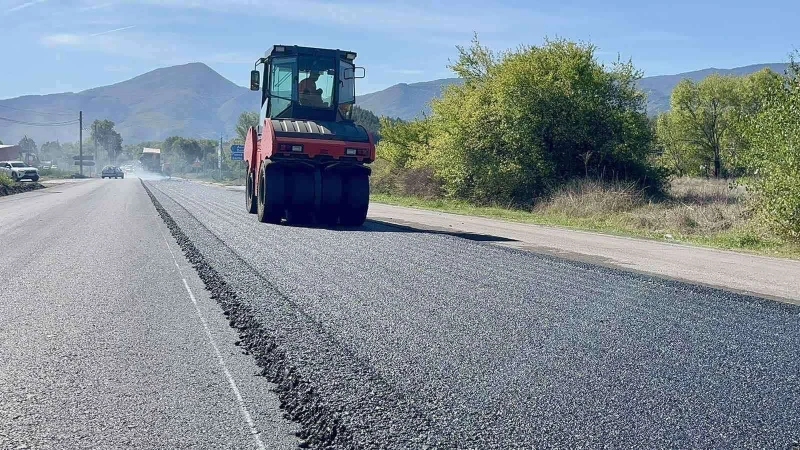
x=379 y=337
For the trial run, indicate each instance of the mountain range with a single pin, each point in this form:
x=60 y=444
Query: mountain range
x=408 y=101
x=187 y=100
x=194 y=100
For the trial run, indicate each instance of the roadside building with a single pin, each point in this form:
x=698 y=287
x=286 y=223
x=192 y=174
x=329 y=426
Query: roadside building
x=10 y=152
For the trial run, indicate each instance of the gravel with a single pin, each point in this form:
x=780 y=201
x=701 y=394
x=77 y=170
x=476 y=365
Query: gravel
x=379 y=337
x=18 y=188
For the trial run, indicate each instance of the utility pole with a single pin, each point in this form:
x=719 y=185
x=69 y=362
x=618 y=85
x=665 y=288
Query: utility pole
x=96 y=157
x=219 y=158
x=80 y=139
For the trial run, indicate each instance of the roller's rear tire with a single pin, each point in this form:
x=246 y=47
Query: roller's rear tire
x=300 y=198
x=331 y=199
x=355 y=200
x=249 y=195
x=270 y=196
x=299 y=216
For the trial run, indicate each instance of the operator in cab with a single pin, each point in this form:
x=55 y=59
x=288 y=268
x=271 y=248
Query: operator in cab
x=307 y=88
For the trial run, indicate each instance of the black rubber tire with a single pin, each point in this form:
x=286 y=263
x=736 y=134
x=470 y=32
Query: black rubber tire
x=355 y=200
x=299 y=216
x=300 y=190
x=331 y=199
x=270 y=195
x=249 y=195
x=300 y=197
x=260 y=208
x=35 y=179
x=14 y=177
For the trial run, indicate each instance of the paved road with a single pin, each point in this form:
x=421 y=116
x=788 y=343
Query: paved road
x=102 y=342
x=776 y=278
x=773 y=277
x=383 y=338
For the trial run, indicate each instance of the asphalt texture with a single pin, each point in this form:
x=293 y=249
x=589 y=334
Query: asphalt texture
x=749 y=274
x=382 y=337
x=108 y=337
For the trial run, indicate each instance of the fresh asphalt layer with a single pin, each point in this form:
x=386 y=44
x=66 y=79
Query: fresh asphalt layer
x=109 y=339
x=383 y=337
x=777 y=278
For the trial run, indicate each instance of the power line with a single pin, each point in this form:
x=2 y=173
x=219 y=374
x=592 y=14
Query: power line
x=39 y=124
x=38 y=112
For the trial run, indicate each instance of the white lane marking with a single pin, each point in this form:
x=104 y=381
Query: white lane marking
x=242 y=408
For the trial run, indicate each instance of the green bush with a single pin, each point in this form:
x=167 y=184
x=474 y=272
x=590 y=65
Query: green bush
x=55 y=173
x=5 y=180
x=774 y=158
x=526 y=121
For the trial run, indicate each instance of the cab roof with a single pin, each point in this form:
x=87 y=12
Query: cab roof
x=291 y=50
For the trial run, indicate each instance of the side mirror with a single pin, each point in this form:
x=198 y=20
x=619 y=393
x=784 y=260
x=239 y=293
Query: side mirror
x=355 y=72
x=255 y=80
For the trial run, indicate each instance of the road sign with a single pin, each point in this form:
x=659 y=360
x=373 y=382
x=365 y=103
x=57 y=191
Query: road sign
x=85 y=158
x=85 y=163
x=237 y=152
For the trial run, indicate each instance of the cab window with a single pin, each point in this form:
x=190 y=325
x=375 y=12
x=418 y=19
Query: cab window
x=282 y=85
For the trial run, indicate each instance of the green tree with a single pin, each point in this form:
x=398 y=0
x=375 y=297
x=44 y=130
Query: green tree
x=27 y=144
x=674 y=152
x=404 y=144
x=51 y=150
x=704 y=131
x=774 y=155
x=368 y=120
x=186 y=149
x=707 y=119
x=756 y=91
x=105 y=137
x=526 y=120
x=703 y=114
x=246 y=120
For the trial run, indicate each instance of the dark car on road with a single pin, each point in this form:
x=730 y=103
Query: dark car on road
x=112 y=172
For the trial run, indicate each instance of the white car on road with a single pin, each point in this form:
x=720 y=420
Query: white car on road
x=18 y=170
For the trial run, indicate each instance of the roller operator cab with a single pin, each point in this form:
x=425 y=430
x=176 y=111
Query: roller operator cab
x=307 y=159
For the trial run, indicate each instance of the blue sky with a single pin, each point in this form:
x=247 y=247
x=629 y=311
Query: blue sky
x=55 y=46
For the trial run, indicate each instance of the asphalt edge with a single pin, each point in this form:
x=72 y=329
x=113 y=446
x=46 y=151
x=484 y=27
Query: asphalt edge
x=302 y=405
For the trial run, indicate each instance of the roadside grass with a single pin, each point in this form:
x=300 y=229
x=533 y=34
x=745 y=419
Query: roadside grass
x=5 y=180
x=711 y=213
